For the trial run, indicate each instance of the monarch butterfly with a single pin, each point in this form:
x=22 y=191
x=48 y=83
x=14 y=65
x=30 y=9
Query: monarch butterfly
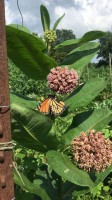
x=51 y=105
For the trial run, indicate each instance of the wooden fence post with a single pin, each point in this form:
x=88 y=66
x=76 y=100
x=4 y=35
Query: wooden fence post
x=6 y=168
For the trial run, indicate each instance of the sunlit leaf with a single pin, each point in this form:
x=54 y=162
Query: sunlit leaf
x=23 y=100
x=62 y=165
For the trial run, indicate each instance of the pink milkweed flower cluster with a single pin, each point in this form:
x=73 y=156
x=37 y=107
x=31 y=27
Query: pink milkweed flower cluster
x=62 y=80
x=92 y=152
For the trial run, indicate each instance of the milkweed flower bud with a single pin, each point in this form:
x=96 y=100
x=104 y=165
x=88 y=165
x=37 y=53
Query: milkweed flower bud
x=62 y=80
x=50 y=36
x=92 y=152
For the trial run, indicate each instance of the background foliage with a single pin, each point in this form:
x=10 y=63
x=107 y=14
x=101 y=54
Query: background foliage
x=105 y=49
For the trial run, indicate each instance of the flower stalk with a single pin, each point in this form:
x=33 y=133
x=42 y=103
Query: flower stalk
x=60 y=194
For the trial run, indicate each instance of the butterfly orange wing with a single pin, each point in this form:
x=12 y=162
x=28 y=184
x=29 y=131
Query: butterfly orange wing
x=44 y=107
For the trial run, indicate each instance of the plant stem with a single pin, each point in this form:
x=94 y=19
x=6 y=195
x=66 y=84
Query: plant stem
x=60 y=188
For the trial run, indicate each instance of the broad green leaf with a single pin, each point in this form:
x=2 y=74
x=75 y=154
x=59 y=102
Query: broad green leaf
x=94 y=119
x=61 y=164
x=82 y=62
x=25 y=50
x=30 y=128
x=23 y=100
x=23 y=39
x=81 y=56
x=23 y=182
x=58 y=21
x=22 y=28
x=86 y=94
x=45 y=18
x=89 y=36
x=67 y=43
x=84 y=47
x=92 y=35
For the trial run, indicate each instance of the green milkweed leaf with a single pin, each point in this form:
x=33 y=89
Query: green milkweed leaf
x=31 y=128
x=45 y=18
x=22 y=100
x=58 y=21
x=81 y=56
x=25 y=50
x=89 y=36
x=22 y=28
x=94 y=119
x=85 y=94
x=61 y=164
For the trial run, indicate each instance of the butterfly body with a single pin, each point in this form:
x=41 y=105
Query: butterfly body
x=51 y=105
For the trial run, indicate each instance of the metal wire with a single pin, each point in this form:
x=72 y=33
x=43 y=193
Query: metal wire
x=20 y=12
x=6 y=146
x=5 y=106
